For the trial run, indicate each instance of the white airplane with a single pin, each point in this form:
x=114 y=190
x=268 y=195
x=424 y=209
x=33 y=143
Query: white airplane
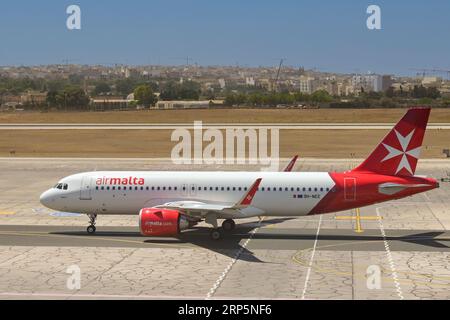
x=170 y=202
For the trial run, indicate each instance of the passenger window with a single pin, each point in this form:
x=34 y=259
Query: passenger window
x=96 y=188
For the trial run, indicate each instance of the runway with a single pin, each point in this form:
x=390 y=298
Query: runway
x=321 y=257
x=190 y=126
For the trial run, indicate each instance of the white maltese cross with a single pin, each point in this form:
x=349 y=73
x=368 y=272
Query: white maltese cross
x=393 y=152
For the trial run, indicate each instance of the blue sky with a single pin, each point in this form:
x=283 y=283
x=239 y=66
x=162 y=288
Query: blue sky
x=328 y=35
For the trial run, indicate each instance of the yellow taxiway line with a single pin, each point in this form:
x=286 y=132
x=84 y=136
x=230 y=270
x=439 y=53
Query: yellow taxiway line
x=358 y=219
x=7 y=213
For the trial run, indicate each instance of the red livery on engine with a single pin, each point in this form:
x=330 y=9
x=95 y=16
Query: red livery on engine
x=161 y=222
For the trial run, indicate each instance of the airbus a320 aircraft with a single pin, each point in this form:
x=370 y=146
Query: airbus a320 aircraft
x=170 y=202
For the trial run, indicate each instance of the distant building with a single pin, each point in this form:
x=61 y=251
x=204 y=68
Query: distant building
x=166 y=105
x=307 y=84
x=33 y=98
x=431 y=82
x=110 y=103
x=250 y=81
x=371 y=82
x=386 y=82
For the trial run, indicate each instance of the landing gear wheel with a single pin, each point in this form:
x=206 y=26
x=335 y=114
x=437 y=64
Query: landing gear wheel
x=228 y=225
x=216 y=234
x=92 y=219
x=91 y=229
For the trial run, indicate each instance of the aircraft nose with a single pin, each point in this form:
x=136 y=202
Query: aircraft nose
x=46 y=198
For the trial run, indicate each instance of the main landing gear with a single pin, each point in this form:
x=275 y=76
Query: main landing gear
x=217 y=233
x=228 y=225
x=91 y=229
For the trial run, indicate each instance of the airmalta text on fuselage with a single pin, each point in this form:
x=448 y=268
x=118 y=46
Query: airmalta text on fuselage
x=133 y=181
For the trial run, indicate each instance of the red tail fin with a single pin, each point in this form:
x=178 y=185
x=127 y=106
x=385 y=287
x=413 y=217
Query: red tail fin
x=399 y=151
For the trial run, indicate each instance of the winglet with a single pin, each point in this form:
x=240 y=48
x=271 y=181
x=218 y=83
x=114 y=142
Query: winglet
x=248 y=197
x=291 y=164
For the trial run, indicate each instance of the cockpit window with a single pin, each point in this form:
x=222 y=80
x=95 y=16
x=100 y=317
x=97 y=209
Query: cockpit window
x=62 y=186
x=66 y=186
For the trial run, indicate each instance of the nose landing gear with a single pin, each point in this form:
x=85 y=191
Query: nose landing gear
x=92 y=219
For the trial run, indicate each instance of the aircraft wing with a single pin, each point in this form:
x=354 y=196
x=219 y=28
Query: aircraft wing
x=196 y=208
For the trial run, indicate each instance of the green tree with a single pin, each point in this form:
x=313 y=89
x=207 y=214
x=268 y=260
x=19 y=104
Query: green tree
x=188 y=90
x=321 y=96
x=125 y=86
x=144 y=95
x=72 y=97
x=52 y=99
x=102 y=88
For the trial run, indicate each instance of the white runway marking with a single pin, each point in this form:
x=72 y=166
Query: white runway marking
x=389 y=256
x=308 y=274
x=222 y=277
x=190 y=126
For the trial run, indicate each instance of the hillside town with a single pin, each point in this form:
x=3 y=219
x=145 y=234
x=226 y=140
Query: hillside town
x=68 y=86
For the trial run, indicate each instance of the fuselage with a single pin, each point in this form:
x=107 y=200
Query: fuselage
x=279 y=194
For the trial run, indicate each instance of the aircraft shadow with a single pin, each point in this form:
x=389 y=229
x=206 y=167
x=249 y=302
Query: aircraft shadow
x=230 y=245
x=198 y=236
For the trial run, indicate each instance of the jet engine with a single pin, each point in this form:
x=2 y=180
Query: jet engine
x=161 y=222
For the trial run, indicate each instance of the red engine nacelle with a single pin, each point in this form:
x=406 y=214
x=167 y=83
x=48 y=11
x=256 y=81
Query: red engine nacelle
x=160 y=222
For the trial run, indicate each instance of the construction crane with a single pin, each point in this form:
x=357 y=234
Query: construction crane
x=187 y=59
x=278 y=75
x=67 y=61
x=424 y=72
